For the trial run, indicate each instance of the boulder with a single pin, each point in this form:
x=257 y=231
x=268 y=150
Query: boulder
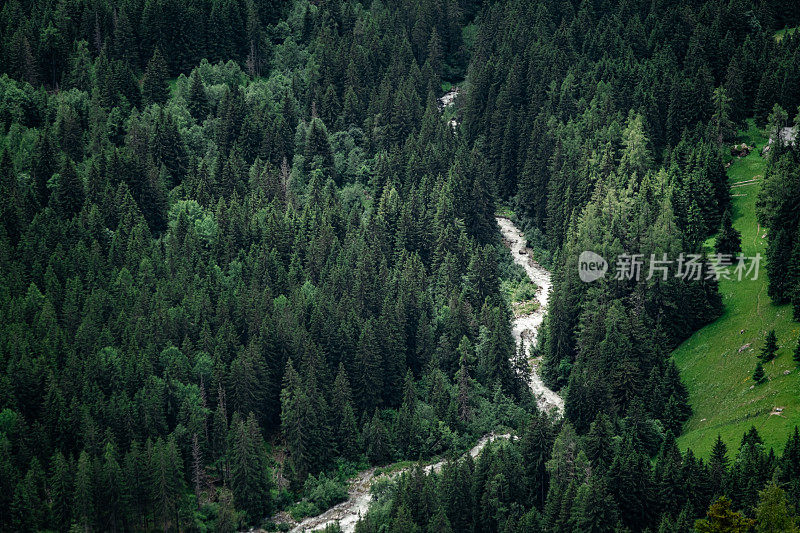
x=740 y=150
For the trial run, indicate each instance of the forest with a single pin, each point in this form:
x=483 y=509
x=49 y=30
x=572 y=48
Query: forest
x=246 y=254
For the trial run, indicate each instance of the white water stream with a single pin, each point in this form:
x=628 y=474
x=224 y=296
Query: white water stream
x=350 y=511
x=526 y=326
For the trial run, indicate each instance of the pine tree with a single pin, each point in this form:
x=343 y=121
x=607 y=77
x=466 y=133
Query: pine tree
x=439 y=523
x=9 y=197
x=368 y=362
x=718 y=466
x=729 y=240
x=197 y=102
x=376 y=440
x=301 y=425
x=227 y=517
x=166 y=470
x=83 y=506
x=60 y=489
x=758 y=374
x=345 y=432
x=318 y=152
x=136 y=470
x=69 y=195
x=724 y=128
x=770 y=347
x=250 y=476
x=593 y=509
x=796 y=355
x=111 y=490
x=352 y=108
x=154 y=83
x=43 y=165
x=29 y=506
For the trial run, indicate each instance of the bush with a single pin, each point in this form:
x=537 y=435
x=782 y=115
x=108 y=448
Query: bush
x=303 y=509
x=325 y=492
x=320 y=494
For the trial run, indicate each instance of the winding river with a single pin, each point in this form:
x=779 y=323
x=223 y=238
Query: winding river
x=525 y=327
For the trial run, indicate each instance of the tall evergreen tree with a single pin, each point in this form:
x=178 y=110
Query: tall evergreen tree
x=69 y=195
x=758 y=374
x=770 y=347
x=251 y=479
x=154 y=82
x=729 y=240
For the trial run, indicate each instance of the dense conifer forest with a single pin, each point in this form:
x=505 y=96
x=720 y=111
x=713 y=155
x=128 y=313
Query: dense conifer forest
x=246 y=253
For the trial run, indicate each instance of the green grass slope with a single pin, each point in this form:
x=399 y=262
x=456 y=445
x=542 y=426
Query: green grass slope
x=716 y=363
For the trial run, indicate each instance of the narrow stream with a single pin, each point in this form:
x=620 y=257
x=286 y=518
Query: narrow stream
x=350 y=511
x=526 y=327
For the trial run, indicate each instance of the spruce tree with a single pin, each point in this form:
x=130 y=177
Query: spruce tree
x=83 y=501
x=112 y=490
x=796 y=355
x=154 y=83
x=60 y=488
x=227 y=518
x=724 y=128
x=166 y=470
x=318 y=152
x=377 y=441
x=368 y=361
x=197 y=102
x=758 y=374
x=28 y=505
x=250 y=476
x=345 y=432
x=770 y=347
x=69 y=194
x=718 y=466
x=43 y=165
x=729 y=240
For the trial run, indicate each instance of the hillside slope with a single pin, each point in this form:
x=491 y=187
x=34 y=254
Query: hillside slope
x=717 y=362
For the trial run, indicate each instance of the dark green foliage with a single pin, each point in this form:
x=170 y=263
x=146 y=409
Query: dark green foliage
x=68 y=195
x=377 y=441
x=758 y=374
x=60 y=486
x=197 y=102
x=288 y=244
x=154 y=81
x=251 y=479
x=770 y=347
x=729 y=240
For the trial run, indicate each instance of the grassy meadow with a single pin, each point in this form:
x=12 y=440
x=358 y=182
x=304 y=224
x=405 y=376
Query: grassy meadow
x=717 y=362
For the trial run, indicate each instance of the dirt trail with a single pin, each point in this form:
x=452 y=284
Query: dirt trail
x=349 y=512
x=527 y=326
